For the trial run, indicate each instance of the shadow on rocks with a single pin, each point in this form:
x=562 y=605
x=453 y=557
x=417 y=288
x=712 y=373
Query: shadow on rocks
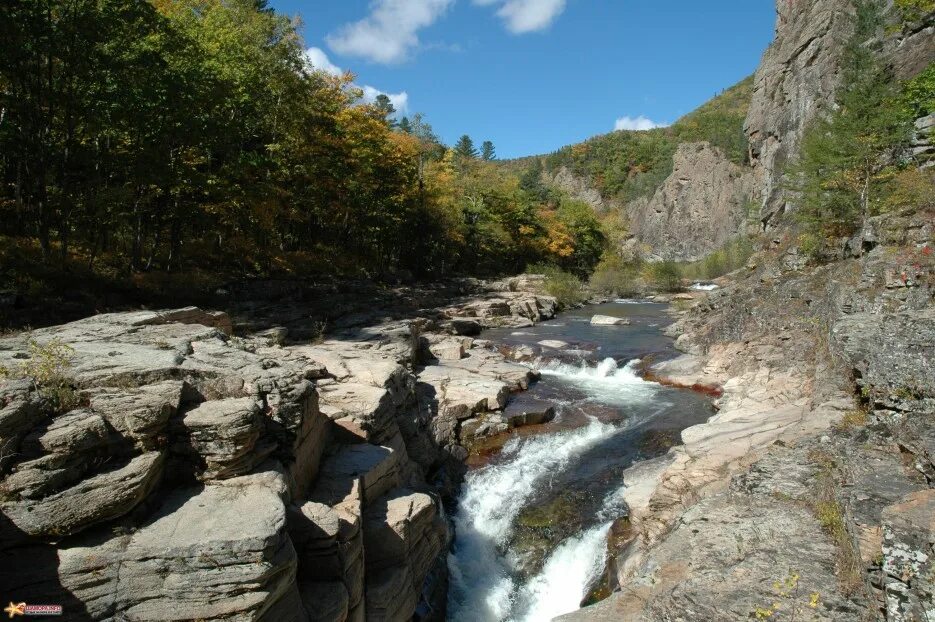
x=29 y=573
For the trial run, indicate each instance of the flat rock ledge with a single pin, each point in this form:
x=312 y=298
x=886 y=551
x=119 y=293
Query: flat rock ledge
x=212 y=477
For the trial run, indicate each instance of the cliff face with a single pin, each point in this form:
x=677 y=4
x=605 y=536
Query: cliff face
x=578 y=188
x=797 y=79
x=701 y=205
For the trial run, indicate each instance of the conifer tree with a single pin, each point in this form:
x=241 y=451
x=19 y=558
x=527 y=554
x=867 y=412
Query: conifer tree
x=487 y=151
x=465 y=148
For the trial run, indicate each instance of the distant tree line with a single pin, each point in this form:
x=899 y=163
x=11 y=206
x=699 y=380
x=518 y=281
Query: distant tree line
x=173 y=135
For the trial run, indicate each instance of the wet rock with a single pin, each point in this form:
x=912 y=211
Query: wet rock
x=465 y=326
x=482 y=426
x=607 y=320
x=553 y=343
x=528 y=412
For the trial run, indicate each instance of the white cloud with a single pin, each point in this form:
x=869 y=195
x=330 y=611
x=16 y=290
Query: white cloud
x=390 y=32
x=400 y=100
x=319 y=61
x=637 y=123
x=522 y=16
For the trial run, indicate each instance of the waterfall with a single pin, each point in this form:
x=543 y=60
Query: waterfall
x=483 y=583
x=606 y=383
x=482 y=586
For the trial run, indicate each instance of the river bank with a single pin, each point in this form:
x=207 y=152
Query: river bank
x=532 y=521
x=811 y=489
x=127 y=454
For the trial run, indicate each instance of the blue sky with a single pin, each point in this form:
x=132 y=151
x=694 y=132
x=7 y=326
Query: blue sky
x=534 y=75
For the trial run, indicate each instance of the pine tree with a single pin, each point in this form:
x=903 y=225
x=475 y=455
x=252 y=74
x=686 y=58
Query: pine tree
x=487 y=151
x=465 y=149
x=844 y=153
x=405 y=126
x=531 y=182
x=385 y=108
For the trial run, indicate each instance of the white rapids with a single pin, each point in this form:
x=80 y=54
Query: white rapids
x=607 y=383
x=483 y=587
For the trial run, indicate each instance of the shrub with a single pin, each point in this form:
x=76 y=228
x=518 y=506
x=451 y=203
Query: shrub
x=48 y=368
x=615 y=276
x=566 y=287
x=830 y=515
x=909 y=189
x=666 y=276
x=913 y=10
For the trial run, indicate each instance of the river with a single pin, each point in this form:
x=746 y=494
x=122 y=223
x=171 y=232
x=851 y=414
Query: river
x=532 y=520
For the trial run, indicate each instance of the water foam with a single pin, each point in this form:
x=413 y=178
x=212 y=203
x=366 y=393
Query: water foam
x=566 y=577
x=606 y=383
x=572 y=568
x=482 y=587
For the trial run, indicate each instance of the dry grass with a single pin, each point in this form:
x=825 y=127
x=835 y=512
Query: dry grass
x=831 y=516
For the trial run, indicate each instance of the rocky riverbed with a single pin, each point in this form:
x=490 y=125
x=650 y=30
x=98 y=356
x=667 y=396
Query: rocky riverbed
x=810 y=490
x=157 y=463
x=532 y=521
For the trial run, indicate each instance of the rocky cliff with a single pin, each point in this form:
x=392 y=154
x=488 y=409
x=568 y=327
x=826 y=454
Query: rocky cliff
x=579 y=189
x=700 y=207
x=810 y=494
x=798 y=76
x=156 y=467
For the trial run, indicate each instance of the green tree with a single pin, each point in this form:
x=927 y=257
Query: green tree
x=487 y=151
x=465 y=149
x=385 y=108
x=845 y=152
x=531 y=182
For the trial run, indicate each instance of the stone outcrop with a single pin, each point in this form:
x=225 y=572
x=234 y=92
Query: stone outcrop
x=607 y=320
x=206 y=476
x=579 y=189
x=701 y=205
x=798 y=76
x=816 y=472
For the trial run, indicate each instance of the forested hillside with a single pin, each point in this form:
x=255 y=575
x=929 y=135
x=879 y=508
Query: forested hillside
x=627 y=164
x=193 y=136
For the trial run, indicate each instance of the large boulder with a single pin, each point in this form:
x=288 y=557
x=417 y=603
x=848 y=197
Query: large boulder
x=218 y=552
x=101 y=497
x=221 y=437
x=608 y=320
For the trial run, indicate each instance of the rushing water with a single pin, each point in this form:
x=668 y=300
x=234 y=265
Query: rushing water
x=531 y=524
